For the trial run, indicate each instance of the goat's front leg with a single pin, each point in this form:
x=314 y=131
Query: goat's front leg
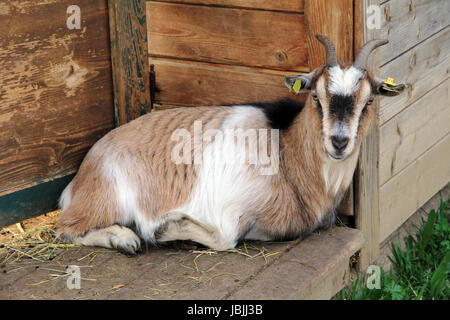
x=115 y=236
x=182 y=227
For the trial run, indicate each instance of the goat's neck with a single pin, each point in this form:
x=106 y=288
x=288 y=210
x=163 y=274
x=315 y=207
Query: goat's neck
x=301 y=147
x=306 y=164
x=301 y=185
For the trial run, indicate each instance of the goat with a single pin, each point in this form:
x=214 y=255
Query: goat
x=131 y=186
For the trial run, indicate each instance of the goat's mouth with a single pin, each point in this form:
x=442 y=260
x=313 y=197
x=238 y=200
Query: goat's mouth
x=336 y=156
x=333 y=153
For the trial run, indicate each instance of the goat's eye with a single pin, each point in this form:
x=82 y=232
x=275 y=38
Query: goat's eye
x=368 y=103
x=317 y=101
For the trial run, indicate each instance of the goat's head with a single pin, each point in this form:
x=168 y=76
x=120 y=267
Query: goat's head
x=342 y=97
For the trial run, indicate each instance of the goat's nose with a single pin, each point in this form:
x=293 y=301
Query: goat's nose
x=339 y=142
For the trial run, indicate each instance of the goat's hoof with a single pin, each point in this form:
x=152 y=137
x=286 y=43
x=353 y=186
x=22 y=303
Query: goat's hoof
x=126 y=241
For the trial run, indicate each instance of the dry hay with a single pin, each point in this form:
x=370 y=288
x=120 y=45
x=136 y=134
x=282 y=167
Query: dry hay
x=36 y=242
x=248 y=250
x=35 y=239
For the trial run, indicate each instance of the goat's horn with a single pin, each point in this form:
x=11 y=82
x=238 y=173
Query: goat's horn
x=330 y=50
x=364 y=52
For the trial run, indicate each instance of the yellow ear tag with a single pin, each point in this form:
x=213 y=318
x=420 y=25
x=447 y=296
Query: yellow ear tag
x=390 y=82
x=297 y=86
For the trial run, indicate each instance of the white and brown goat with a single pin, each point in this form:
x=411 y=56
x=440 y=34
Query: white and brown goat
x=130 y=187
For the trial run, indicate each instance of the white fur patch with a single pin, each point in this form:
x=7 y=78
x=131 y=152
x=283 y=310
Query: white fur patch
x=338 y=174
x=340 y=129
x=225 y=190
x=123 y=178
x=66 y=197
x=111 y=237
x=344 y=82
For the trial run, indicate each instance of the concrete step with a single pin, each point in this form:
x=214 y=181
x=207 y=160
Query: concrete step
x=314 y=268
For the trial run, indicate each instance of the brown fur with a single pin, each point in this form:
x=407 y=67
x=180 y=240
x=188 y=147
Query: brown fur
x=143 y=147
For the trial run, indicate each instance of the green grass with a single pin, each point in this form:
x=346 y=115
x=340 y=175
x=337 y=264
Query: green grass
x=420 y=270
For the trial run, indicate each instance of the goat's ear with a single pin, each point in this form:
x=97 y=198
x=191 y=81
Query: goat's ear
x=299 y=83
x=388 y=87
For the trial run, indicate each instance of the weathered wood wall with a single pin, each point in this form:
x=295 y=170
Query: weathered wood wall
x=208 y=52
x=55 y=98
x=129 y=57
x=414 y=127
x=366 y=175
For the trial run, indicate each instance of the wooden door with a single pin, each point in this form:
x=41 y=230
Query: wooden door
x=209 y=52
x=55 y=98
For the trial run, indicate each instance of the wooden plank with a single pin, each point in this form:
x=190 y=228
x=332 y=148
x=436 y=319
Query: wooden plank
x=366 y=175
x=131 y=73
x=214 y=277
x=422 y=68
x=333 y=19
x=315 y=268
x=406 y=23
x=329 y=284
x=32 y=201
x=55 y=87
x=410 y=189
x=280 y=5
x=412 y=132
x=182 y=83
x=228 y=36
